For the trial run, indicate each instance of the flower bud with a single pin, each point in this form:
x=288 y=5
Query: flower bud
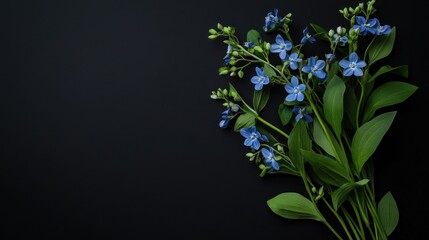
x=289 y=15
x=313 y=189
x=227 y=30
x=267 y=46
x=232 y=74
x=249 y=154
x=225 y=104
x=240 y=74
x=262 y=166
x=212 y=31
x=225 y=92
x=280 y=148
x=213 y=96
x=235 y=53
x=339 y=29
x=219 y=26
x=259 y=49
x=351 y=10
x=223 y=72
x=212 y=36
x=331 y=33
x=235 y=107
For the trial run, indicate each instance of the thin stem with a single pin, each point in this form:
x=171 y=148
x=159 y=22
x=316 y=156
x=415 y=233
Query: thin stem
x=339 y=218
x=352 y=224
x=272 y=126
x=358 y=217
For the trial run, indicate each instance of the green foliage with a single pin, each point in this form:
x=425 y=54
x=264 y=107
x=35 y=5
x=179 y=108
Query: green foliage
x=294 y=206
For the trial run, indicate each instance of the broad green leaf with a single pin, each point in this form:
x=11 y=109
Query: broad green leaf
x=327 y=169
x=334 y=68
x=320 y=31
x=243 y=121
x=368 y=136
x=381 y=47
x=388 y=94
x=292 y=205
x=333 y=99
x=285 y=114
x=260 y=98
x=341 y=194
x=388 y=213
x=401 y=71
x=298 y=140
x=269 y=71
x=253 y=36
x=321 y=139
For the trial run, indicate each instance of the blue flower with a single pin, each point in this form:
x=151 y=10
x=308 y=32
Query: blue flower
x=249 y=44
x=330 y=57
x=295 y=90
x=315 y=68
x=252 y=137
x=365 y=26
x=353 y=66
x=307 y=37
x=281 y=47
x=226 y=115
x=301 y=113
x=382 y=30
x=294 y=60
x=227 y=57
x=341 y=40
x=260 y=79
x=269 y=159
x=272 y=21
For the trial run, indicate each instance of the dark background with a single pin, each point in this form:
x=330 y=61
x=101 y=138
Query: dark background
x=108 y=132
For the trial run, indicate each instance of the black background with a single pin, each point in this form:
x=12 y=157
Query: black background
x=108 y=132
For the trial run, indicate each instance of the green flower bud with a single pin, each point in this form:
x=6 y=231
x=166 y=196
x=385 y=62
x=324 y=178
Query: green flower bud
x=351 y=10
x=357 y=10
x=280 y=148
x=223 y=72
x=225 y=92
x=262 y=166
x=233 y=69
x=321 y=191
x=313 y=189
x=219 y=26
x=331 y=33
x=249 y=154
x=267 y=46
x=213 y=36
x=235 y=53
x=232 y=62
x=318 y=198
x=213 y=96
x=289 y=15
x=339 y=30
x=240 y=74
x=227 y=30
x=259 y=49
x=225 y=104
x=232 y=74
x=346 y=12
x=361 y=6
x=212 y=31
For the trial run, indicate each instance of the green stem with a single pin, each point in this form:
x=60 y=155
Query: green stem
x=352 y=225
x=339 y=218
x=272 y=126
x=364 y=216
x=359 y=104
x=358 y=217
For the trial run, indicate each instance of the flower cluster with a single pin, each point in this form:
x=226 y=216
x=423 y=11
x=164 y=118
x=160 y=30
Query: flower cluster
x=333 y=116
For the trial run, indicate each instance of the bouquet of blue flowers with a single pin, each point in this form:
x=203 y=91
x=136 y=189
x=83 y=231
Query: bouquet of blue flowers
x=334 y=115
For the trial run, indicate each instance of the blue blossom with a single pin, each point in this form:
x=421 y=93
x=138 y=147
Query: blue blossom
x=295 y=90
x=281 y=47
x=382 y=30
x=260 y=79
x=330 y=57
x=307 y=37
x=252 y=137
x=302 y=113
x=341 y=40
x=227 y=57
x=315 y=68
x=294 y=60
x=365 y=26
x=249 y=44
x=353 y=66
x=227 y=114
x=272 y=21
x=269 y=159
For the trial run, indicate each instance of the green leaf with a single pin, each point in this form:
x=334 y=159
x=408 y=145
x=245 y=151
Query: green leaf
x=269 y=71
x=298 y=140
x=333 y=70
x=285 y=114
x=320 y=31
x=388 y=213
x=292 y=205
x=263 y=131
x=260 y=98
x=254 y=36
x=327 y=169
x=243 y=121
x=401 y=71
x=381 y=47
x=388 y=94
x=321 y=139
x=368 y=136
x=333 y=104
x=341 y=194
